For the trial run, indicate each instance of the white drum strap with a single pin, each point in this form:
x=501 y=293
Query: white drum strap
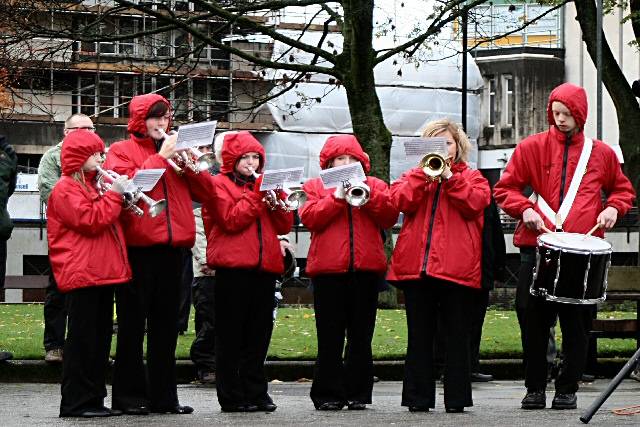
x=559 y=217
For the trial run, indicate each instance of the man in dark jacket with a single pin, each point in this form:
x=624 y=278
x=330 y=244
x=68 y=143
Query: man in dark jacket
x=8 y=176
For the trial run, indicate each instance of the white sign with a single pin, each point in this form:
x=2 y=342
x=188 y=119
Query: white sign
x=27 y=182
x=196 y=135
x=333 y=177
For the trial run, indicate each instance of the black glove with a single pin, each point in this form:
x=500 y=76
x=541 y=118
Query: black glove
x=8 y=149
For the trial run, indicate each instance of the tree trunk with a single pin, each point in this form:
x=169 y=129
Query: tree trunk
x=626 y=104
x=357 y=63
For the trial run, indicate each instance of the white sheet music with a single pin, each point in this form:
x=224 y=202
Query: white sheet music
x=333 y=177
x=281 y=178
x=416 y=148
x=145 y=179
x=196 y=135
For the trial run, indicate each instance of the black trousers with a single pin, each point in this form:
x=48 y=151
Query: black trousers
x=3 y=261
x=574 y=323
x=345 y=306
x=479 y=311
x=425 y=301
x=55 y=316
x=203 y=351
x=244 y=301
x=185 y=291
x=525 y=277
x=151 y=299
x=86 y=351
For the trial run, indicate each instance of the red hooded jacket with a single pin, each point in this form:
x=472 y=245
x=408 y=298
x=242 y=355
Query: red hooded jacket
x=242 y=233
x=175 y=226
x=344 y=238
x=86 y=243
x=441 y=232
x=538 y=161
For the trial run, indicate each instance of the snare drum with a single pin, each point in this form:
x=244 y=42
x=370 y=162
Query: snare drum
x=571 y=268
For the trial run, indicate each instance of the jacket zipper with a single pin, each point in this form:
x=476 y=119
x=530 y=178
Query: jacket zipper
x=436 y=198
x=115 y=234
x=259 y=242
x=166 y=208
x=564 y=169
x=351 y=249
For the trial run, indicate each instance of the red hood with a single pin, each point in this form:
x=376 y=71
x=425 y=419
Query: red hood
x=77 y=147
x=139 y=108
x=237 y=144
x=574 y=98
x=340 y=145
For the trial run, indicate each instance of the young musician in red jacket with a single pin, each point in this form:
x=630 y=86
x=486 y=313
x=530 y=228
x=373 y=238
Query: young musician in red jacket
x=546 y=162
x=437 y=263
x=243 y=249
x=346 y=263
x=155 y=246
x=83 y=232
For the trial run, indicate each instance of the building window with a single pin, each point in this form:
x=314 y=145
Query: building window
x=491 y=98
x=508 y=101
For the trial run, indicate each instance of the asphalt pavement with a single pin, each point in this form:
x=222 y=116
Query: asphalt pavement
x=496 y=403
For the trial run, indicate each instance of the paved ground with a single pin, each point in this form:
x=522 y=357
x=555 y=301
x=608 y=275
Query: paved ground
x=497 y=404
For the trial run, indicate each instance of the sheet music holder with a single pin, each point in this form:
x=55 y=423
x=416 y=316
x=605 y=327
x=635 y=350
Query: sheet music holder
x=281 y=178
x=196 y=135
x=417 y=148
x=145 y=179
x=333 y=177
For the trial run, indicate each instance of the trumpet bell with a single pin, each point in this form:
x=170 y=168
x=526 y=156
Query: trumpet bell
x=295 y=199
x=433 y=165
x=156 y=208
x=356 y=196
x=205 y=161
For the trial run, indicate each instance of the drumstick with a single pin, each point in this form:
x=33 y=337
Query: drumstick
x=595 y=227
x=546 y=230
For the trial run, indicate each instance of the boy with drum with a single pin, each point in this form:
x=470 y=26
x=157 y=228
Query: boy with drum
x=548 y=163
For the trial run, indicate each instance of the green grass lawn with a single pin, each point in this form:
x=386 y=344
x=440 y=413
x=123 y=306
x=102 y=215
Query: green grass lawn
x=294 y=338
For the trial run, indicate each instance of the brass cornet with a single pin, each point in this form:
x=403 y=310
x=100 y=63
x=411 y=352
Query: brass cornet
x=129 y=198
x=190 y=158
x=294 y=197
x=433 y=165
x=356 y=194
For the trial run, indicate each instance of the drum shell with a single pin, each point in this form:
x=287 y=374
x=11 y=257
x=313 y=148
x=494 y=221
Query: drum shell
x=559 y=275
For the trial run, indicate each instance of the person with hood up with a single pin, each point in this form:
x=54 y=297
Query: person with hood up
x=83 y=231
x=346 y=263
x=437 y=264
x=243 y=249
x=547 y=162
x=155 y=246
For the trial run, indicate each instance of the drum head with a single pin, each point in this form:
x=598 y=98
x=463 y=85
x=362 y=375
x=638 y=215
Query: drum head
x=574 y=242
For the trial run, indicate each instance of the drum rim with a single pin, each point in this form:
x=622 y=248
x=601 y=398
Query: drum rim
x=576 y=250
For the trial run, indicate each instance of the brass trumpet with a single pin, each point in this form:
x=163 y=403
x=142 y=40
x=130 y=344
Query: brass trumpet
x=190 y=158
x=294 y=197
x=129 y=198
x=433 y=165
x=356 y=194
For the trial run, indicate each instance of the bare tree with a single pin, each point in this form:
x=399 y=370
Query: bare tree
x=350 y=67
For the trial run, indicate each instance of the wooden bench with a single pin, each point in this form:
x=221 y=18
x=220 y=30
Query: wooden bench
x=623 y=285
x=28 y=288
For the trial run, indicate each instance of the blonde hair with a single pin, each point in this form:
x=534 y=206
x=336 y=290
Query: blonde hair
x=436 y=127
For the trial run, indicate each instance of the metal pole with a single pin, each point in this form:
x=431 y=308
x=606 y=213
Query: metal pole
x=465 y=23
x=599 y=69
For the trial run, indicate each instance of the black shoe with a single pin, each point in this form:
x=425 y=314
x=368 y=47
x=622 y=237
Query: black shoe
x=588 y=378
x=90 y=413
x=564 y=401
x=240 y=408
x=477 y=377
x=454 y=409
x=357 y=406
x=178 y=409
x=133 y=410
x=330 y=406
x=534 y=400
x=266 y=407
x=115 y=412
x=418 y=409
x=5 y=355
